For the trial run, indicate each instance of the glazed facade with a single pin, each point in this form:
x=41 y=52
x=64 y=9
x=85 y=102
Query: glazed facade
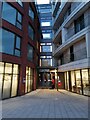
x=45 y=16
x=71 y=27
x=19 y=48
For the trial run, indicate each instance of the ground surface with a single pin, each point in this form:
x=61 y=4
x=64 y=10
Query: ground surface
x=46 y=103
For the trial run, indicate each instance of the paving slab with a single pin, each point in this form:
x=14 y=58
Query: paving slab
x=46 y=103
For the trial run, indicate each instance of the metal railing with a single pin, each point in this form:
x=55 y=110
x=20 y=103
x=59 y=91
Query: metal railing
x=78 y=55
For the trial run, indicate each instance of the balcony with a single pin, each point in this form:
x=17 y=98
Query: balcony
x=78 y=27
x=75 y=8
x=78 y=55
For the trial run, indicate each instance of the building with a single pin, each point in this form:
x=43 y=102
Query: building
x=19 y=48
x=45 y=16
x=71 y=27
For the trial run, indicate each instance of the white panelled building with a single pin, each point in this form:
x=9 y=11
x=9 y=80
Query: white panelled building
x=71 y=44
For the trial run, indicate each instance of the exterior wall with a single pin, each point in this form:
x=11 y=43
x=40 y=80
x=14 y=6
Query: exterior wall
x=70 y=37
x=22 y=61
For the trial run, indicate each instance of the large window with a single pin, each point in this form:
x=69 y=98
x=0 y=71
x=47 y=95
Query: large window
x=30 y=53
x=9 y=74
x=79 y=24
x=78 y=81
x=11 y=43
x=11 y=15
x=29 y=79
x=31 y=13
x=31 y=32
x=85 y=80
x=46 y=48
x=45 y=23
x=46 y=35
x=46 y=62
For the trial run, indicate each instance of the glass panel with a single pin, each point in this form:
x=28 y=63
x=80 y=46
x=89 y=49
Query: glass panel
x=73 y=81
x=1 y=67
x=85 y=81
x=46 y=62
x=30 y=53
x=17 y=52
x=7 y=85
x=78 y=81
x=46 y=48
x=31 y=32
x=26 y=84
x=18 y=42
x=31 y=13
x=9 y=13
x=45 y=23
x=1 y=81
x=14 y=85
x=19 y=25
x=67 y=81
x=19 y=17
x=15 y=69
x=7 y=42
x=8 y=68
x=46 y=36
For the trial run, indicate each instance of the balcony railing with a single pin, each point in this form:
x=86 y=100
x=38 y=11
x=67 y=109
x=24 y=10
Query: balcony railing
x=78 y=55
x=83 y=24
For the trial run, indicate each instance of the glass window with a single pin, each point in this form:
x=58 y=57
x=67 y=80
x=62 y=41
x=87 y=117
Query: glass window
x=31 y=13
x=9 y=75
x=45 y=23
x=11 y=15
x=1 y=77
x=73 y=81
x=85 y=81
x=47 y=36
x=30 y=53
x=8 y=68
x=29 y=79
x=7 y=80
x=15 y=69
x=8 y=41
x=78 y=81
x=7 y=85
x=46 y=62
x=31 y=32
x=46 y=48
x=19 y=17
x=18 y=42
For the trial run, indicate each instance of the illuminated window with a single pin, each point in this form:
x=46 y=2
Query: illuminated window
x=45 y=23
x=46 y=36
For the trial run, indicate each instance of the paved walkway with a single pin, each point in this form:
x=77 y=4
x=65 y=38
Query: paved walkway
x=45 y=103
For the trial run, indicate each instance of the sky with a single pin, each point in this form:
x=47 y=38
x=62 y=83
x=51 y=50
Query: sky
x=42 y=1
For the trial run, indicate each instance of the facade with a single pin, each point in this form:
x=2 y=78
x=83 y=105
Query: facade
x=45 y=16
x=71 y=27
x=19 y=50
